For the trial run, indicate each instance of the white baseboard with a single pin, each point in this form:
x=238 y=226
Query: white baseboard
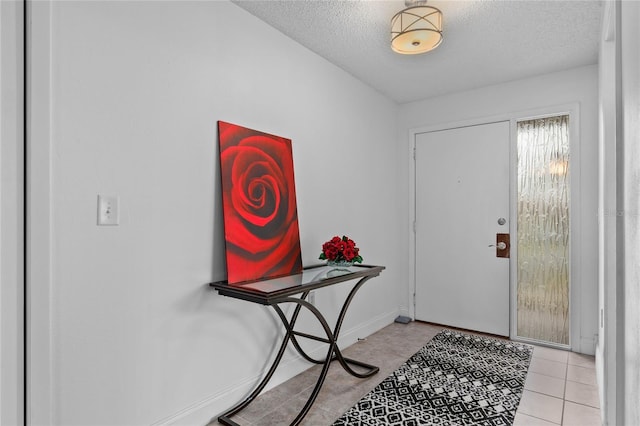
x=208 y=409
x=587 y=346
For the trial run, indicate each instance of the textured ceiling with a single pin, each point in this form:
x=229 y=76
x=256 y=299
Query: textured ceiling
x=485 y=41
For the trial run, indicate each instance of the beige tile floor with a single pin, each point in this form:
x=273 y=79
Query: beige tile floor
x=560 y=387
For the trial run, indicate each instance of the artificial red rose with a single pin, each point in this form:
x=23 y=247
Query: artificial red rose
x=330 y=250
x=349 y=254
x=339 y=249
x=259 y=204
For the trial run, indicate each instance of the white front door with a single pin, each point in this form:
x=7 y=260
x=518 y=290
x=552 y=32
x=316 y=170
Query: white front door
x=462 y=202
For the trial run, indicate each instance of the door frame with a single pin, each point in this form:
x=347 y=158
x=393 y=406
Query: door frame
x=573 y=110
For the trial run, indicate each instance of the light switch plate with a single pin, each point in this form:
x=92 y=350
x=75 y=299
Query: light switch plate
x=108 y=210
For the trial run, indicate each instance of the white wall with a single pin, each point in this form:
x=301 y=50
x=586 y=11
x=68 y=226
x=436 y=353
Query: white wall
x=11 y=214
x=630 y=90
x=508 y=100
x=134 y=91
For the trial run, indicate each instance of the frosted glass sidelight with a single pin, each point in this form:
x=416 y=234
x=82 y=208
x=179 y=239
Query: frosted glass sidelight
x=543 y=229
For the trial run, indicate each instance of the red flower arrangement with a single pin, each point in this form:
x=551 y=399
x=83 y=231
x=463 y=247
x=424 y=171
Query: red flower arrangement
x=340 y=250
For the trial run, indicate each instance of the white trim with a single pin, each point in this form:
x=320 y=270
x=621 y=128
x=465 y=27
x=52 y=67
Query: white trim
x=608 y=365
x=575 y=223
x=513 y=231
x=412 y=224
x=40 y=359
x=11 y=214
x=629 y=172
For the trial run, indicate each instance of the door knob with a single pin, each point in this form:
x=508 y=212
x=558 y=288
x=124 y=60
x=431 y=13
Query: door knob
x=500 y=246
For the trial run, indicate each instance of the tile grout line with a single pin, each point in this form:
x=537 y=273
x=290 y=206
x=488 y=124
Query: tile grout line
x=564 y=393
x=549 y=396
x=541 y=393
x=549 y=375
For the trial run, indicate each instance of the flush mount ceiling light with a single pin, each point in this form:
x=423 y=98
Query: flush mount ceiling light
x=416 y=29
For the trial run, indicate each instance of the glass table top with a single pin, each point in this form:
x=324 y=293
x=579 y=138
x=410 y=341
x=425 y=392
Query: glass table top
x=311 y=276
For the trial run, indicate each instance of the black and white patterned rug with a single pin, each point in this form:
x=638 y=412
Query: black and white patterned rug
x=456 y=379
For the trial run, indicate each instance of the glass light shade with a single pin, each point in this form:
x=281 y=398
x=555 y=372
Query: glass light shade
x=417 y=29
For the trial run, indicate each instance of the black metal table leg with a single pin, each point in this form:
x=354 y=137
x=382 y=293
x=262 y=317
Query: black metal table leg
x=333 y=352
x=225 y=417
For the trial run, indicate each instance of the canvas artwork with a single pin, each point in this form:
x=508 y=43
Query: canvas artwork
x=259 y=204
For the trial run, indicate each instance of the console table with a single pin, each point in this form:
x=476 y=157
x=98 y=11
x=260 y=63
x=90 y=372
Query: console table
x=295 y=289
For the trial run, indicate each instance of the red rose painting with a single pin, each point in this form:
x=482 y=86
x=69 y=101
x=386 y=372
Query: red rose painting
x=259 y=204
